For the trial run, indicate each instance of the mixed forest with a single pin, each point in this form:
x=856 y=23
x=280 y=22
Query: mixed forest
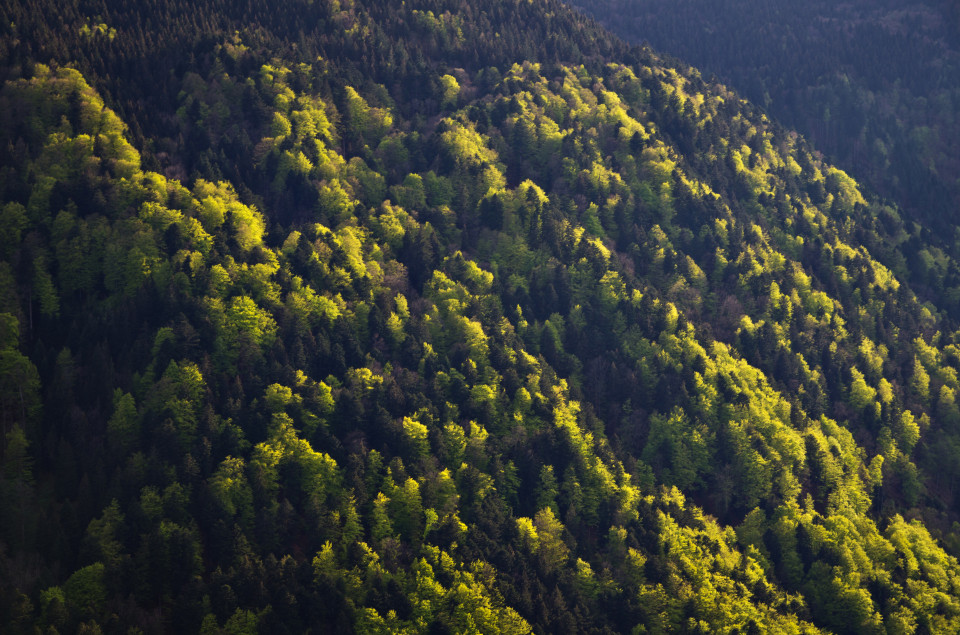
x=447 y=317
x=871 y=83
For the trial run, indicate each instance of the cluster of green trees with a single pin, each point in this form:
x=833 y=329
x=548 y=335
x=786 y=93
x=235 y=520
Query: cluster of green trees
x=573 y=342
x=871 y=84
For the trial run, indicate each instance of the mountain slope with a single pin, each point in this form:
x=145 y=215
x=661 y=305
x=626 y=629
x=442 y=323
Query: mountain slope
x=871 y=84
x=570 y=340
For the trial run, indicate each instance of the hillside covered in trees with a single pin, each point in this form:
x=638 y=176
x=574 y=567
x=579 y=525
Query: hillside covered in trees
x=871 y=83
x=439 y=317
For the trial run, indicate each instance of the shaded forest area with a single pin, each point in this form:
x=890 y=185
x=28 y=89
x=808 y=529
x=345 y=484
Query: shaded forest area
x=430 y=317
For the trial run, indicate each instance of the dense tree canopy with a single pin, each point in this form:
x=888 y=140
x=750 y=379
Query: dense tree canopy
x=871 y=83
x=431 y=317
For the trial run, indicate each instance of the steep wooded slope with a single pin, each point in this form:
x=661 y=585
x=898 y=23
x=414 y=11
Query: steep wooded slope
x=873 y=84
x=425 y=317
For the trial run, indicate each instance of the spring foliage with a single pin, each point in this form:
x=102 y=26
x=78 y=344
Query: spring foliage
x=577 y=341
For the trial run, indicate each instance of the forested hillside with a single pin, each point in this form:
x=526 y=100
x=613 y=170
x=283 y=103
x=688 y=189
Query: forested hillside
x=871 y=83
x=440 y=317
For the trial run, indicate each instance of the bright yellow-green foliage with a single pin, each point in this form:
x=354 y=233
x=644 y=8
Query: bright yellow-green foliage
x=585 y=347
